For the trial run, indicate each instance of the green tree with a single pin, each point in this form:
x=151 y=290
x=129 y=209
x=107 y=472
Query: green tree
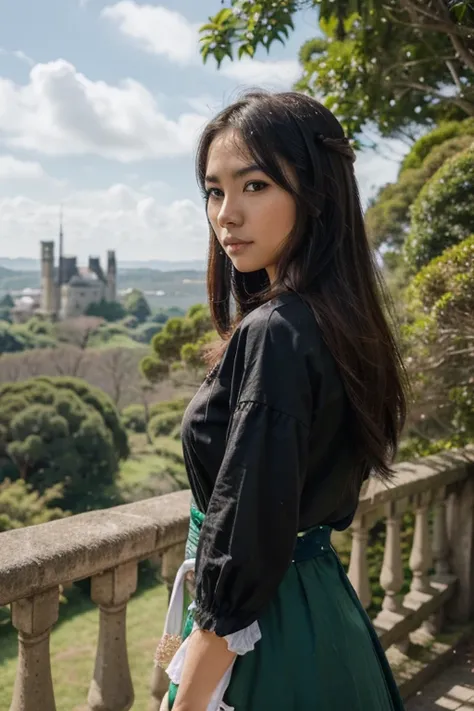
x=136 y=305
x=388 y=216
x=10 y=342
x=7 y=301
x=180 y=342
x=21 y=505
x=145 y=332
x=445 y=287
x=36 y=333
x=61 y=431
x=395 y=64
x=443 y=213
x=109 y=310
x=159 y=317
x=439 y=340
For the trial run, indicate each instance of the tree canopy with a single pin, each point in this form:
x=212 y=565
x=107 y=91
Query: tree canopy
x=388 y=216
x=181 y=340
x=21 y=505
x=443 y=213
x=61 y=431
x=7 y=301
x=136 y=305
x=395 y=64
x=109 y=310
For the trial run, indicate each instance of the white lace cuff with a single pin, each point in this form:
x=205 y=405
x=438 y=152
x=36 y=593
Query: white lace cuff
x=239 y=642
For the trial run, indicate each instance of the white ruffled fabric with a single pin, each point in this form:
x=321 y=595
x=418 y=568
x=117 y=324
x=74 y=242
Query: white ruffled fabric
x=239 y=642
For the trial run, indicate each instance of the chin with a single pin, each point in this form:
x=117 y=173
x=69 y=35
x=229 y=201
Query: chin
x=246 y=265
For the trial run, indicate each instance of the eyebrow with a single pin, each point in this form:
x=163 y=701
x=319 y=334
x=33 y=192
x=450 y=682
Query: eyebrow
x=236 y=174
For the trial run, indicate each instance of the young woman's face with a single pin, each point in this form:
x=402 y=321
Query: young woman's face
x=250 y=214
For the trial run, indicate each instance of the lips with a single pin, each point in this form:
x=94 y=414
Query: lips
x=228 y=241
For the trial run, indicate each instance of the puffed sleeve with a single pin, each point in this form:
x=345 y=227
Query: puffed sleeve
x=251 y=524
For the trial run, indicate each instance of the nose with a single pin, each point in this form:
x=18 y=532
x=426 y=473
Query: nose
x=229 y=214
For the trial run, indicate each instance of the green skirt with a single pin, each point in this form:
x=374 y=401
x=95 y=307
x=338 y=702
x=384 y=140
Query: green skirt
x=319 y=650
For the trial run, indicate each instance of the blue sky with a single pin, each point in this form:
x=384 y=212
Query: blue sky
x=101 y=104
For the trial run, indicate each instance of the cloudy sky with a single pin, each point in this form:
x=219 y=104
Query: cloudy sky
x=100 y=107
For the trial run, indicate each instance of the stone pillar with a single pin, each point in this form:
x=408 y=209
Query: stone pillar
x=391 y=577
x=358 y=566
x=34 y=617
x=461 y=536
x=440 y=535
x=421 y=558
x=170 y=563
x=111 y=688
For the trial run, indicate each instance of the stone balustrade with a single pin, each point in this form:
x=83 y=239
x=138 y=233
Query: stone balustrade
x=439 y=491
x=107 y=546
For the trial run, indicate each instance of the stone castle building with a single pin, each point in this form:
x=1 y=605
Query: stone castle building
x=66 y=289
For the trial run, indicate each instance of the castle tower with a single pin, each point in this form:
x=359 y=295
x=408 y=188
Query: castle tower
x=48 y=300
x=111 y=293
x=60 y=277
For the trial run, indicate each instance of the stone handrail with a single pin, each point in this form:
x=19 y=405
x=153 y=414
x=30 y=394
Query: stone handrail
x=107 y=546
x=439 y=491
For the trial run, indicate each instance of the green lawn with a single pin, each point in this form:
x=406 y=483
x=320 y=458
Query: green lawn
x=73 y=646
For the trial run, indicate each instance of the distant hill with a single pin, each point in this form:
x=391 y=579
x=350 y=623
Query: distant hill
x=23 y=264
x=163 y=289
x=12 y=280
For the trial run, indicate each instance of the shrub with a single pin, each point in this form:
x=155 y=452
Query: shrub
x=443 y=213
x=445 y=287
x=388 y=218
x=145 y=332
x=165 y=406
x=21 y=505
x=424 y=145
x=129 y=322
x=133 y=418
x=159 y=317
x=164 y=424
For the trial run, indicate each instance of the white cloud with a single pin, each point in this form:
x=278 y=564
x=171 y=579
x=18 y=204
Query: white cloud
x=62 y=112
x=279 y=73
x=132 y=222
x=19 y=54
x=156 y=29
x=12 y=168
x=164 y=32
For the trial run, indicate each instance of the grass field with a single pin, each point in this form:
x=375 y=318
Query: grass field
x=73 y=647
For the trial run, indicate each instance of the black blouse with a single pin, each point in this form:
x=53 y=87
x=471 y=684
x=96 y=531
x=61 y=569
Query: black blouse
x=268 y=451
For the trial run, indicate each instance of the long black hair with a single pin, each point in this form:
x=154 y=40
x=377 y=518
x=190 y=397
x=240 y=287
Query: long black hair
x=326 y=259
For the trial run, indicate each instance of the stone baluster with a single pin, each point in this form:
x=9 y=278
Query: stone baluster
x=391 y=577
x=358 y=566
x=421 y=557
x=461 y=547
x=34 y=618
x=111 y=688
x=440 y=535
x=170 y=563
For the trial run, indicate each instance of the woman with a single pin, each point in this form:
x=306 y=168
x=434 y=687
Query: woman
x=306 y=398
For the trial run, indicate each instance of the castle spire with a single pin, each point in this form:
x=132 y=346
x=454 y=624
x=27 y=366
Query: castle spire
x=61 y=246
